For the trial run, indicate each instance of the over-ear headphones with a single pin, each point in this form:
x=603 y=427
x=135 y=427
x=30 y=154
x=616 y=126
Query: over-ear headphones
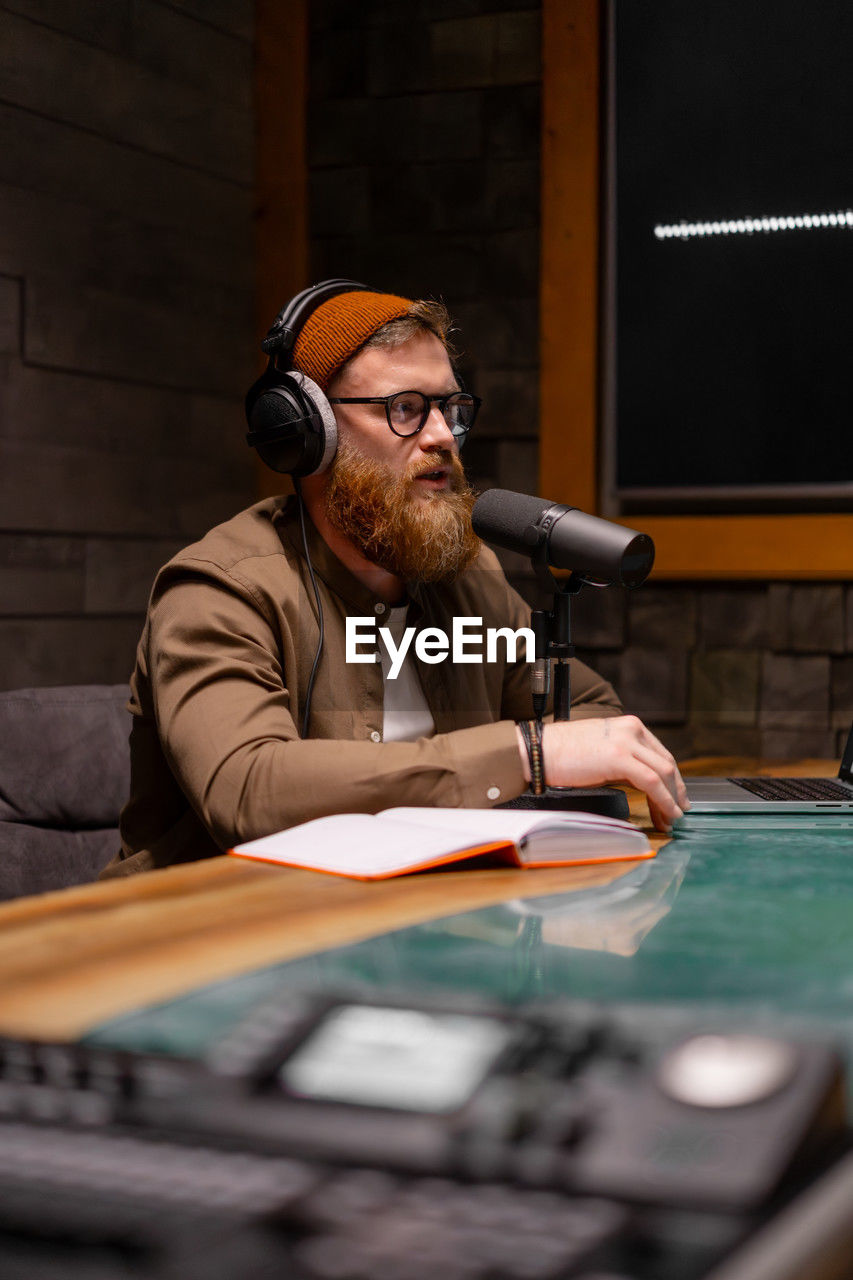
x=291 y=423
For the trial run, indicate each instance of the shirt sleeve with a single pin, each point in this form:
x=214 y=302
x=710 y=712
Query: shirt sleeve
x=225 y=721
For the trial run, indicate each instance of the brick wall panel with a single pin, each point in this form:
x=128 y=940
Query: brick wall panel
x=489 y=49
x=662 y=616
x=717 y=740
x=396 y=63
x=842 y=692
x=340 y=62
x=67 y=651
x=511 y=260
x=519 y=48
x=512 y=194
x=517 y=465
x=60 y=161
x=54 y=489
x=10 y=315
x=40 y=574
x=50 y=74
x=793 y=744
x=816 y=618
x=46 y=408
x=512 y=120
x=794 y=692
x=599 y=618
x=346 y=131
x=450 y=127
x=779 y=616
x=724 y=687
x=503 y=331
x=731 y=617
x=511 y=403
x=108 y=26
x=607 y=664
x=119 y=572
x=44 y=236
x=113 y=336
x=236 y=17
x=340 y=201
x=176 y=45
x=654 y=684
x=433 y=10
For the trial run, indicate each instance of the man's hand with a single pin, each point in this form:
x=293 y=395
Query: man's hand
x=590 y=753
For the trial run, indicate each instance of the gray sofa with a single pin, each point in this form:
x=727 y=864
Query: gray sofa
x=64 y=775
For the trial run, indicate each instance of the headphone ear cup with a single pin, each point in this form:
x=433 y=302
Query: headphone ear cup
x=291 y=424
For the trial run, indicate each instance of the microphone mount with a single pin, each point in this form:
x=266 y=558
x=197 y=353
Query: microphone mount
x=552 y=630
x=553 y=633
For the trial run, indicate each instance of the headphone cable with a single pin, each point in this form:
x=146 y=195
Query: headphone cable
x=306 y=715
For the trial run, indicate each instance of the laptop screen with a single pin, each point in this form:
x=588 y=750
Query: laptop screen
x=845 y=773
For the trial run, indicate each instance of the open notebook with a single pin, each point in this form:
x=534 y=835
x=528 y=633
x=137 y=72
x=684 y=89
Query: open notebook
x=398 y=841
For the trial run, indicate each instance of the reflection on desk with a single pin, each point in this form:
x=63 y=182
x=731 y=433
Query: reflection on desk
x=616 y=917
x=724 y=929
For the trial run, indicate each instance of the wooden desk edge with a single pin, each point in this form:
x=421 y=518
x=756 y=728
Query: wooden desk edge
x=74 y=958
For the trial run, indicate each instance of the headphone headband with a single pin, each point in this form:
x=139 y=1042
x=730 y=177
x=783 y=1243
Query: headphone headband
x=285 y=329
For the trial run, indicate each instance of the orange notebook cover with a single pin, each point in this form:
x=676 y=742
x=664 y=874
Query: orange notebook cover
x=399 y=841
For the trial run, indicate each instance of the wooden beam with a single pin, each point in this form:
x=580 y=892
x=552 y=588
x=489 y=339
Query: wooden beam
x=281 y=168
x=744 y=546
x=568 y=385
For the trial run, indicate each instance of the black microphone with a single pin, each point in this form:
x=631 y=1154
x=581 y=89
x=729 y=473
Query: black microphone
x=597 y=550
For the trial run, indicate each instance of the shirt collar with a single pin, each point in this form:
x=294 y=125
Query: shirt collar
x=325 y=563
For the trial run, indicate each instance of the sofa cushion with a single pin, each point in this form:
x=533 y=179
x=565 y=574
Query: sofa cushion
x=64 y=756
x=37 y=859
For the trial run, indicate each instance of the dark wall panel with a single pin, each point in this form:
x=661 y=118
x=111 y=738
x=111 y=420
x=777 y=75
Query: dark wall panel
x=126 y=331
x=424 y=180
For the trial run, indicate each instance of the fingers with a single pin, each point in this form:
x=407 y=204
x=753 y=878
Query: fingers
x=650 y=751
x=663 y=807
x=667 y=770
x=659 y=820
x=619 y=749
x=670 y=768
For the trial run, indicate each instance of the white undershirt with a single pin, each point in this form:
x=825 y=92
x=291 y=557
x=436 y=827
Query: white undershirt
x=406 y=713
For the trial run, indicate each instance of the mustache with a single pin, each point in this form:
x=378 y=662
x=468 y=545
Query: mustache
x=432 y=460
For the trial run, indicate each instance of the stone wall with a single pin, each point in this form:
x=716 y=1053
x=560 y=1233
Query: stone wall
x=126 y=328
x=424 y=180
x=424 y=175
x=725 y=669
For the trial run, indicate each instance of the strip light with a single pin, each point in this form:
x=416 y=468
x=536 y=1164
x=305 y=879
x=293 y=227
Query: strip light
x=748 y=226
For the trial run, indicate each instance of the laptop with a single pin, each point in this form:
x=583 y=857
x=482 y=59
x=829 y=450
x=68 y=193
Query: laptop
x=760 y=795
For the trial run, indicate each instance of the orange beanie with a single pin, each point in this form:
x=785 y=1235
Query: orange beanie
x=337 y=329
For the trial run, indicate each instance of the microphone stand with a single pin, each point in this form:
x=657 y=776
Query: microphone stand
x=553 y=632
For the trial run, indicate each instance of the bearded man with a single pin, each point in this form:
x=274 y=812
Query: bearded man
x=247 y=716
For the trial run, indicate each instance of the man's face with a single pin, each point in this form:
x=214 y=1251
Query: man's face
x=421 y=364
x=402 y=501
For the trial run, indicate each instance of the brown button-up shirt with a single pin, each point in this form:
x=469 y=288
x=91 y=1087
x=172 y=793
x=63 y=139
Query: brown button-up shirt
x=219 y=689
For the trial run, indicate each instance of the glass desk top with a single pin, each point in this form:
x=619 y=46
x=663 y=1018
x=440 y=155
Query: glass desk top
x=728 y=926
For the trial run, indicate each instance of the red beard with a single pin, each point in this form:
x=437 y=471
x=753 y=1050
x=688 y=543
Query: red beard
x=419 y=540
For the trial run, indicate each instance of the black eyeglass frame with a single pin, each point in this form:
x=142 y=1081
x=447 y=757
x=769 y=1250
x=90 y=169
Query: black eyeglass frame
x=441 y=401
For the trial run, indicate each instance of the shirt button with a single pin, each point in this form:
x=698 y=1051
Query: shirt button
x=375 y=735
x=379 y=608
x=493 y=793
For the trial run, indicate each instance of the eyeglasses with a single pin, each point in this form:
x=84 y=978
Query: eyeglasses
x=407 y=411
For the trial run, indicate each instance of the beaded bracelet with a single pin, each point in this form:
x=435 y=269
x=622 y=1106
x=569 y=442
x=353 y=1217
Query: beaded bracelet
x=531 y=732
